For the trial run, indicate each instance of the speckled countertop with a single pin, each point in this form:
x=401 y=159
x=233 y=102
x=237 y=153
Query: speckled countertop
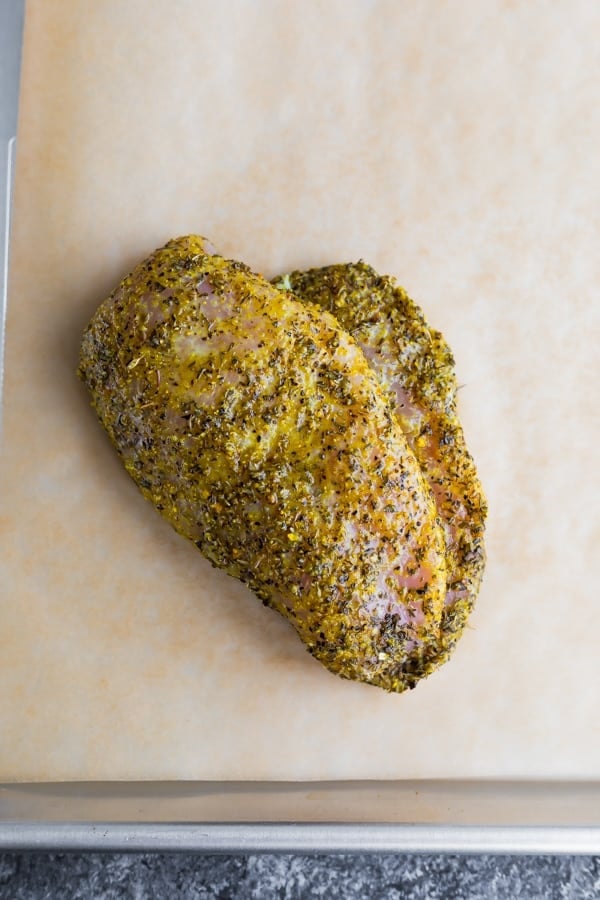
x=427 y=877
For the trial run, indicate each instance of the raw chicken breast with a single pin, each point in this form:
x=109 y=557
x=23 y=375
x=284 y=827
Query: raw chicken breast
x=256 y=426
x=415 y=367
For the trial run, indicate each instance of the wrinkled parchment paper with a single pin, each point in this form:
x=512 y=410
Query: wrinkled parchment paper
x=453 y=145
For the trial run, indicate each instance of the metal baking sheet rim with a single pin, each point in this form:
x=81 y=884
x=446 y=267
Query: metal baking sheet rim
x=248 y=817
x=6 y=185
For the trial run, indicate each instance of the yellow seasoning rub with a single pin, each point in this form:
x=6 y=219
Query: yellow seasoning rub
x=255 y=423
x=415 y=367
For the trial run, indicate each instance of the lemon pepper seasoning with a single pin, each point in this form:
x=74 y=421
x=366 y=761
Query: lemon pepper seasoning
x=268 y=441
x=415 y=367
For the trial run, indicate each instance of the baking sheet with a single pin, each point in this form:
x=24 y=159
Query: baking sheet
x=449 y=144
x=422 y=816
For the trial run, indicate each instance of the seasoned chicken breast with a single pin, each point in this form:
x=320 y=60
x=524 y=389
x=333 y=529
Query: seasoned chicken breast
x=255 y=425
x=415 y=367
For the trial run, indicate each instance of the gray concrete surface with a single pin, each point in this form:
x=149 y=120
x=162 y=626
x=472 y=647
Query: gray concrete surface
x=291 y=877
x=11 y=27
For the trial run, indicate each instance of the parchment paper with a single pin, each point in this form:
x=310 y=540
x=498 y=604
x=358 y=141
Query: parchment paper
x=454 y=145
